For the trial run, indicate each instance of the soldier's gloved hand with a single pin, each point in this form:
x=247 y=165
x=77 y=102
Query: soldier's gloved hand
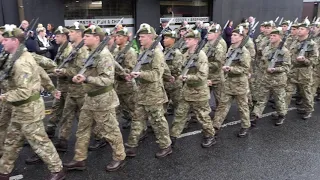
x=209 y=82
x=57 y=94
x=172 y=79
x=271 y=70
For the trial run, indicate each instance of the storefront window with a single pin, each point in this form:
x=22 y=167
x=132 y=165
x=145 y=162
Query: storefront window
x=184 y=8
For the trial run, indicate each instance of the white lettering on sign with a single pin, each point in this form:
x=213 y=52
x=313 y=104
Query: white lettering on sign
x=99 y=22
x=188 y=19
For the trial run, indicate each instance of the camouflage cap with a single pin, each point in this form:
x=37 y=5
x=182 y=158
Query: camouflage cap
x=193 y=34
x=277 y=30
x=171 y=34
x=239 y=30
x=2 y=28
x=244 y=25
x=123 y=32
x=93 y=29
x=185 y=28
x=286 y=22
x=295 y=25
x=146 y=29
x=77 y=26
x=11 y=31
x=263 y=24
x=61 y=30
x=270 y=24
x=305 y=23
x=214 y=29
x=40 y=28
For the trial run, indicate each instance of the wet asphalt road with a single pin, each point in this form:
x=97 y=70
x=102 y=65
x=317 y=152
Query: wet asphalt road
x=288 y=152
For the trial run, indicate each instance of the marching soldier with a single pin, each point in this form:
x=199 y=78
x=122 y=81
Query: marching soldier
x=174 y=59
x=304 y=55
x=99 y=105
x=76 y=93
x=261 y=35
x=216 y=57
x=236 y=84
x=274 y=78
x=195 y=94
x=316 y=66
x=293 y=35
x=62 y=84
x=285 y=25
x=151 y=96
x=124 y=89
x=28 y=108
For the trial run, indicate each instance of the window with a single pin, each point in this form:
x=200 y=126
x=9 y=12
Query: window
x=93 y=9
x=184 y=8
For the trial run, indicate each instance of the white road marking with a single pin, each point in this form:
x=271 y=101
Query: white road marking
x=229 y=124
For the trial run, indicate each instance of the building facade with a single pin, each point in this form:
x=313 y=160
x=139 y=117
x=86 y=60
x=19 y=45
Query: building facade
x=107 y=13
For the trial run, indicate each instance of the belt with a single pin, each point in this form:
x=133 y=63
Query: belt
x=30 y=99
x=100 y=91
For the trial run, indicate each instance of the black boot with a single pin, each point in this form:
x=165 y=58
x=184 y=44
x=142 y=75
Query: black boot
x=280 y=120
x=243 y=132
x=307 y=116
x=51 y=130
x=34 y=159
x=164 y=152
x=97 y=145
x=254 y=120
x=173 y=141
x=62 y=145
x=208 y=142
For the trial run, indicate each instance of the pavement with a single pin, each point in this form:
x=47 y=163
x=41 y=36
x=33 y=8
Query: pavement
x=287 y=152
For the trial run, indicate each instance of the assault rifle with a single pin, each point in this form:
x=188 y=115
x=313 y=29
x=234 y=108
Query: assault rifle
x=102 y=45
x=72 y=54
x=32 y=27
x=145 y=57
x=194 y=57
x=63 y=47
x=274 y=58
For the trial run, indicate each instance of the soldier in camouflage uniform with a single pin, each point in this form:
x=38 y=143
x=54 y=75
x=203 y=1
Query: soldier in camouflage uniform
x=316 y=66
x=99 y=105
x=274 y=78
x=236 y=84
x=75 y=96
x=62 y=84
x=174 y=59
x=182 y=32
x=124 y=89
x=195 y=94
x=151 y=96
x=285 y=25
x=261 y=35
x=216 y=56
x=28 y=108
x=304 y=55
x=293 y=35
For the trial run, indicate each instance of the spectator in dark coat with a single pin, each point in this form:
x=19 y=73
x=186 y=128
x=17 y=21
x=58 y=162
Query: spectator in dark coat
x=44 y=45
x=228 y=33
x=51 y=37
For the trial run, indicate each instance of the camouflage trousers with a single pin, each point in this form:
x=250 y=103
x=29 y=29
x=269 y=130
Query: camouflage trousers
x=72 y=107
x=37 y=138
x=315 y=84
x=201 y=110
x=224 y=106
x=5 y=118
x=306 y=93
x=174 y=95
x=279 y=95
x=127 y=105
x=57 y=110
x=215 y=94
x=157 y=120
x=108 y=127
